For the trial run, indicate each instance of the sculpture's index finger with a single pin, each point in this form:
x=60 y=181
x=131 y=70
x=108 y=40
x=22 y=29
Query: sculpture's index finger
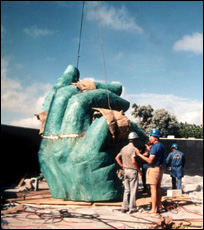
x=113 y=87
x=70 y=75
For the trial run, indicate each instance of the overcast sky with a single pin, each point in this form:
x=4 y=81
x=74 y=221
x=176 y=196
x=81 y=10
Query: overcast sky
x=153 y=48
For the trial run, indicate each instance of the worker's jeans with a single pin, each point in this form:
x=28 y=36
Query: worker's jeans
x=174 y=180
x=130 y=192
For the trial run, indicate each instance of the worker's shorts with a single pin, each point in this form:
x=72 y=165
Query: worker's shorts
x=154 y=175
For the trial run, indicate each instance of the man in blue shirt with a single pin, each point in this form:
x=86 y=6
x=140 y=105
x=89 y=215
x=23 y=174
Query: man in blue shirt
x=176 y=162
x=155 y=171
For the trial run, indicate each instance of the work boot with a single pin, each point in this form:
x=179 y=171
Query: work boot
x=123 y=210
x=134 y=210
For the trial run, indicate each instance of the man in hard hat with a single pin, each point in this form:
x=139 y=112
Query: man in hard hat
x=127 y=160
x=176 y=162
x=155 y=171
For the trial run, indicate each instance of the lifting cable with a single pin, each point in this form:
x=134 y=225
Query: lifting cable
x=104 y=63
x=82 y=16
x=78 y=55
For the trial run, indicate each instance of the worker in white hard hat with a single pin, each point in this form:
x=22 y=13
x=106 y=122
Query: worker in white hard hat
x=127 y=160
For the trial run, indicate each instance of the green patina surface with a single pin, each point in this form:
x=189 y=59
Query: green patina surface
x=81 y=168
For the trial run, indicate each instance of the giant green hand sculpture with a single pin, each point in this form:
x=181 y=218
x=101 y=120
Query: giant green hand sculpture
x=74 y=154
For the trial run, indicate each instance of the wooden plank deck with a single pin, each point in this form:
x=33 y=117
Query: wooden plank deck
x=43 y=197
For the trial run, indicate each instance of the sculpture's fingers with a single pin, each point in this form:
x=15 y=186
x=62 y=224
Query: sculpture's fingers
x=57 y=109
x=78 y=115
x=114 y=88
x=95 y=140
x=71 y=74
x=51 y=151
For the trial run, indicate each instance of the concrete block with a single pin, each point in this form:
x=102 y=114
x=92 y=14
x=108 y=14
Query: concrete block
x=174 y=192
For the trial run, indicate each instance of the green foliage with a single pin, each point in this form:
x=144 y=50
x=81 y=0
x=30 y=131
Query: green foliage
x=166 y=123
x=144 y=112
x=188 y=130
x=160 y=118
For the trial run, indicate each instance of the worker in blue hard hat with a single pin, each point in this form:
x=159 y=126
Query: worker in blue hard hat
x=155 y=133
x=176 y=162
x=127 y=161
x=155 y=170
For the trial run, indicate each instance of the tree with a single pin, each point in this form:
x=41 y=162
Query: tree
x=160 y=119
x=166 y=123
x=144 y=114
x=188 y=130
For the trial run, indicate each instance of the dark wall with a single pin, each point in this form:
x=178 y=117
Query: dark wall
x=19 y=154
x=193 y=150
